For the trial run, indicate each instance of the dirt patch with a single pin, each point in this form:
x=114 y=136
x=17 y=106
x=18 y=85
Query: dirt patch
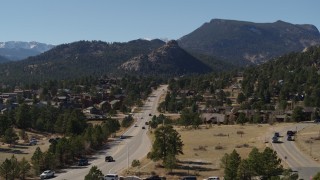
x=308 y=140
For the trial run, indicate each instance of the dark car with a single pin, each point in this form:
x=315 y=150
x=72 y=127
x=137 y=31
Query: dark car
x=291 y=133
x=189 y=178
x=83 y=162
x=290 y=138
x=277 y=134
x=108 y=159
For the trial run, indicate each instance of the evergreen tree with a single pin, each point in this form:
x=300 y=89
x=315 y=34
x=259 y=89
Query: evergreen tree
x=25 y=168
x=232 y=163
x=10 y=136
x=94 y=174
x=167 y=142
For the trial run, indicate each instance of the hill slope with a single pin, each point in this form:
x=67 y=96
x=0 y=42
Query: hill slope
x=242 y=42
x=83 y=58
x=169 y=59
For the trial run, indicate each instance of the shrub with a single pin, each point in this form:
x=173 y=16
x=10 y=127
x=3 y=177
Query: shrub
x=218 y=147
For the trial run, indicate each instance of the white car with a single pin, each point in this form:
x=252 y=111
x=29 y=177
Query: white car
x=212 y=178
x=111 y=177
x=47 y=174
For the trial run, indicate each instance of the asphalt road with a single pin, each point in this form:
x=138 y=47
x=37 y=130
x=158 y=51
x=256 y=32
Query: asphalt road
x=135 y=144
x=297 y=160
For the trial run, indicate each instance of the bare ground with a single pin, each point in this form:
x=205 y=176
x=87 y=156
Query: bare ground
x=204 y=147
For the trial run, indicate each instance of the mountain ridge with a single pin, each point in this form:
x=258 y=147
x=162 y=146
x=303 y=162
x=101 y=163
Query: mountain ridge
x=244 y=42
x=168 y=59
x=18 y=50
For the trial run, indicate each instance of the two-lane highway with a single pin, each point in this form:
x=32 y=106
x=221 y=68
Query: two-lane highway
x=135 y=144
x=296 y=160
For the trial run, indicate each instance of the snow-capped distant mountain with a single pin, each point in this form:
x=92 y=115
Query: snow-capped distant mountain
x=17 y=50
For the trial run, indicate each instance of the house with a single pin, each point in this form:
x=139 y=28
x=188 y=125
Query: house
x=210 y=118
x=90 y=110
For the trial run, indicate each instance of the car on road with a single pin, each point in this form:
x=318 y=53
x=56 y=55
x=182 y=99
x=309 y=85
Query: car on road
x=111 y=177
x=135 y=125
x=83 y=162
x=290 y=138
x=291 y=133
x=275 y=139
x=108 y=159
x=47 y=174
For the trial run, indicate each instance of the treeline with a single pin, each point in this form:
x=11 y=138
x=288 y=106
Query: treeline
x=44 y=119
x=265 y=165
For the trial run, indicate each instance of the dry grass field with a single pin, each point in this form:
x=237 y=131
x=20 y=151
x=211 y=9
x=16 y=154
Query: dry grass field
x=22 y=149
x=203 y=148
x=308 y=140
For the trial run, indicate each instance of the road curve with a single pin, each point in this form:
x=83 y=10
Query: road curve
x=135 y=145
x=293 y=156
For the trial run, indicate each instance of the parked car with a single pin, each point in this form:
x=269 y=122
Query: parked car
x=83 y=162
x=33 y=142
x=111 y=177
x=143 y=127
x=212 y=178
x=189 y=178
x=277 y=134
x=108 y=159
x=135 y=125
x=47 y=174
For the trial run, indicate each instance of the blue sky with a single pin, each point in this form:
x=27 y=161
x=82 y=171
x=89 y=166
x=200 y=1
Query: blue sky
x=65 y=21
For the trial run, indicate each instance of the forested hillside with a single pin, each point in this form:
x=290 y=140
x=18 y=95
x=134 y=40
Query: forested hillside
x=75 y=60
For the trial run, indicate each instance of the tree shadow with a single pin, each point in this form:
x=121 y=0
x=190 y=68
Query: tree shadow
x=194 y=162
x=12 y=151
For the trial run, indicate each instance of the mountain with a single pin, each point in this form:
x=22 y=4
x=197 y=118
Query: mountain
x=169 y=59
x=17 y=50
x=243 y=43
x=3 y=59
x=75 y=60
